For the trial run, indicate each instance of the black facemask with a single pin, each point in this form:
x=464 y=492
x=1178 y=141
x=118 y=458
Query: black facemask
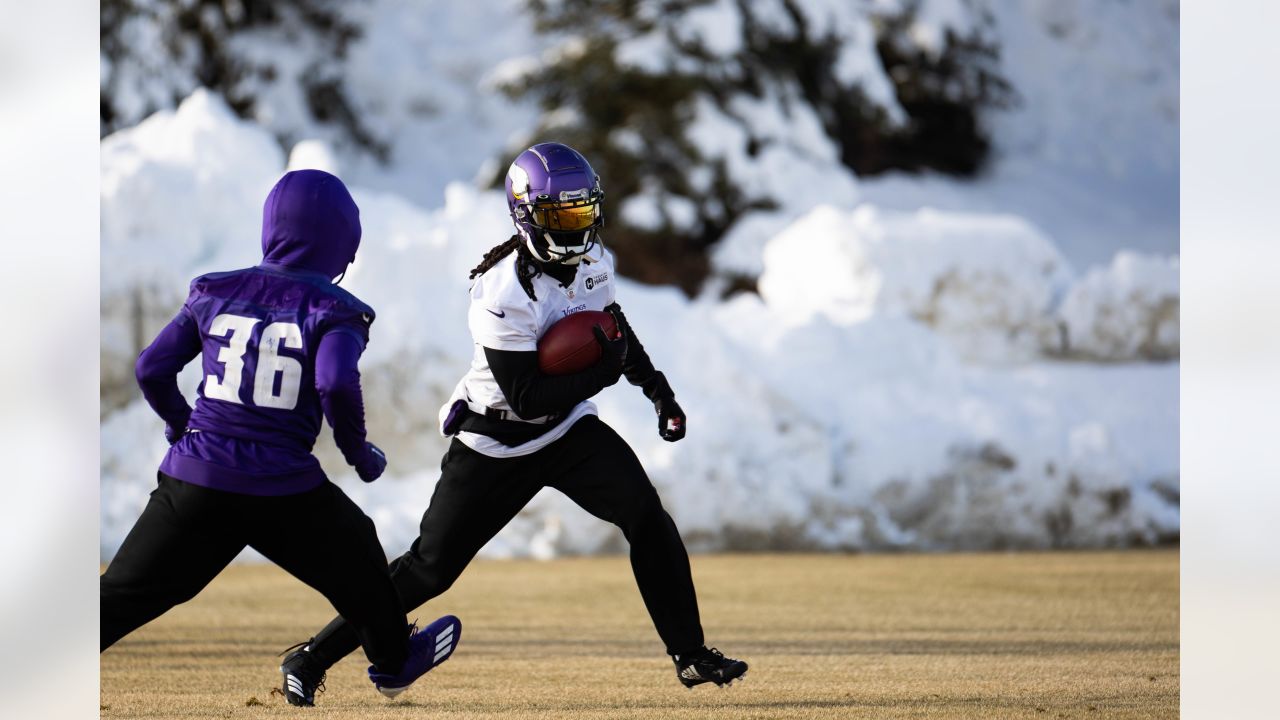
x=564 y=274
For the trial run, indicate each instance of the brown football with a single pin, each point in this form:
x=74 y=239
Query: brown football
x=570 y=346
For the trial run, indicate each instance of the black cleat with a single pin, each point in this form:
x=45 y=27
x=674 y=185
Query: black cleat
x=302 y=677
x=702 y=666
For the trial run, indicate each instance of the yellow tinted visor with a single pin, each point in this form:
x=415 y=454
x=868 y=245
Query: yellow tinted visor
x=573 y=218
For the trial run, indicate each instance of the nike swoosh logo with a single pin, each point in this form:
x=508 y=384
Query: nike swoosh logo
x=497 y=314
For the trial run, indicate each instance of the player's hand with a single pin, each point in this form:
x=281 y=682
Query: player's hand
x=616 y=311
x=613 y=354
x=172 y=434
x=375 y=461
x=671 y=419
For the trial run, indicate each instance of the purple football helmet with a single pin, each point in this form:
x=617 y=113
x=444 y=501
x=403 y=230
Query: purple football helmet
x=554 y=197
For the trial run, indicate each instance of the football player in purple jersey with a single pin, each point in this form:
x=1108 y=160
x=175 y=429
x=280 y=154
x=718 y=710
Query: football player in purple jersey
x=280 y=344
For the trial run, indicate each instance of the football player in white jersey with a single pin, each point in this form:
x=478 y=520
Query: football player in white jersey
x=516 y=430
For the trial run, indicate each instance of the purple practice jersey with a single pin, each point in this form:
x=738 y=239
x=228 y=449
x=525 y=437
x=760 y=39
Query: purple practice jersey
x=279 y=343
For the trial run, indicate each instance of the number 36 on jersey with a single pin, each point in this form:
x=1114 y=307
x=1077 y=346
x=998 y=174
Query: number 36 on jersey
x=271 y=364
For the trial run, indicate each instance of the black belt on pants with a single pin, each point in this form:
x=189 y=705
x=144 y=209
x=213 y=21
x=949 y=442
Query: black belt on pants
x=511 y=433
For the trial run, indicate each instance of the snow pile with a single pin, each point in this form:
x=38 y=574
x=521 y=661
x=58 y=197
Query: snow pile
x=985 y=282
x=314 y=155
x=1126 y=310
x=215 y=167
x=877 y=435
x=838 y=414
x=994 y=286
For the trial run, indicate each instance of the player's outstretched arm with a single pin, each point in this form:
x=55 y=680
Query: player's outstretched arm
x=338 y=384
x=532 y=394
x=640 y=372
x=157 y=371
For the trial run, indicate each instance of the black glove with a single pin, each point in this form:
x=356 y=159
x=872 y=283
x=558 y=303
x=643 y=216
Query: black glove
x=671 y=420
x=613 y=355
x=374 y=462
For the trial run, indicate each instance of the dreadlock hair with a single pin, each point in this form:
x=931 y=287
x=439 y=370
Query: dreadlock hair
x=526 y=267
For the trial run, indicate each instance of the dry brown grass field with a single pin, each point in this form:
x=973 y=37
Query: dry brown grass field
x=1033 y=635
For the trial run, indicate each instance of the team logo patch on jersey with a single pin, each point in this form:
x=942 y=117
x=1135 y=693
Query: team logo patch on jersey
x=576 y=308
x=596 y=281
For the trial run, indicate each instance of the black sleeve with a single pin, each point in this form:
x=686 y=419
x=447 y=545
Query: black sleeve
x=638 y=368
x=533 y=394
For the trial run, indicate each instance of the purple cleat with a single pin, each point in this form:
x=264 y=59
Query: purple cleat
x=427 y=648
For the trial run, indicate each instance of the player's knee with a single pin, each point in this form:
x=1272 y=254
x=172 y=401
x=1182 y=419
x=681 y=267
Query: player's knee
x=180 y=595
x=642 y=513
x=129 y=588
x=422 y=574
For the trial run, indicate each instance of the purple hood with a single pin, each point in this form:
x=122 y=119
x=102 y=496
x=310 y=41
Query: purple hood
x=310 y=222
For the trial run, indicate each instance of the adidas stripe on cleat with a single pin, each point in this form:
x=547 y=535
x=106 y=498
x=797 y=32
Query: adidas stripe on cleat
x=708 y=666
x=427 y=648
x=302 y=679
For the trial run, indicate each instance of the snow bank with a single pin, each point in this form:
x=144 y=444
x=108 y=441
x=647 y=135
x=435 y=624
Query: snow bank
x=985 y=282
x=214 y=168
x=1126 y=310
x=994 y=286
x=834 y=412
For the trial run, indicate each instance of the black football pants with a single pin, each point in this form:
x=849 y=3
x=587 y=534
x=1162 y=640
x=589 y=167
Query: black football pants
x=478 y=495
x=187 y=534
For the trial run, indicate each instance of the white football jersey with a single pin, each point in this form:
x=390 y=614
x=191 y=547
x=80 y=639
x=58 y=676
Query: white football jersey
x=503 y=317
